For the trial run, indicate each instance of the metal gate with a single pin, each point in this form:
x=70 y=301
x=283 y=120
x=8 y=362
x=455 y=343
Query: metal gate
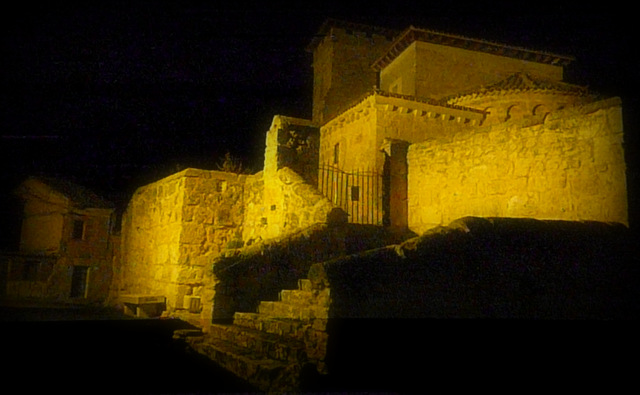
x=358 y=193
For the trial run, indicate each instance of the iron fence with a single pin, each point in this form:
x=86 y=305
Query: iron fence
x=359 y=193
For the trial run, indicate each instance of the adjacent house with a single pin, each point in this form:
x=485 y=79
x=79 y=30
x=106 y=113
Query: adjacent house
x=67 y=244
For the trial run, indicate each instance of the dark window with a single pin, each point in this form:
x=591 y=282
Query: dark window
x=355 y=194
x=78 y=229
x=30 y=271
x=79 y=281
x=336 y=153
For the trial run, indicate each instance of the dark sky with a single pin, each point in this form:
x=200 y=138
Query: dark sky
x=120 y=94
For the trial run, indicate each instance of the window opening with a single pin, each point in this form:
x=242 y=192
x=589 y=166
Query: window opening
x=78 y=229
x=79 y=278
x=30 y=271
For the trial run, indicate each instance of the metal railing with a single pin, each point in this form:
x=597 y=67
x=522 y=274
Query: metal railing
x=359 y=193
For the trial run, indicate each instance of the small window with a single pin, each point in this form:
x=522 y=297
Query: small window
x=221 y=185
x=78 y=229
x=355 y=193
x=30 y=271
x=336 y=153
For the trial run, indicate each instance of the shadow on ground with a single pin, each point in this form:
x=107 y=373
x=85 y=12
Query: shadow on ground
x=91 y=351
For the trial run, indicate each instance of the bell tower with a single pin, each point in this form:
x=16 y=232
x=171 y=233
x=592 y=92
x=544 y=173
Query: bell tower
x=342 y=56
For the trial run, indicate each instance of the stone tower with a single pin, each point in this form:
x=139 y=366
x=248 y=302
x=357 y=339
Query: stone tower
x=342 y=56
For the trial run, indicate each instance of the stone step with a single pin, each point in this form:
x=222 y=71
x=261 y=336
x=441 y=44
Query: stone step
x=261 y=372
x=292 y=311
x=277 y=326
x=268 y=345
x=296 y=296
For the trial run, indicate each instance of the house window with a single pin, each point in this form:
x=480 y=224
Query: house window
x=79 y=277
x=355 y=193
x=30 y=271
x=78 y=230
x=336 y=153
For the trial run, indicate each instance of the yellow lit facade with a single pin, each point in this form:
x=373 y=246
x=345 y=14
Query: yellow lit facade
x=409 y=131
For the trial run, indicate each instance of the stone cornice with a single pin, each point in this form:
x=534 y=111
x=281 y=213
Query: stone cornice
x=408 y=105
x=413 y=34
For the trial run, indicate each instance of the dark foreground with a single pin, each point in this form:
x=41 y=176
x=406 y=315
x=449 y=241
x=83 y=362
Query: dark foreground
x=101 y=352
x=87 y=352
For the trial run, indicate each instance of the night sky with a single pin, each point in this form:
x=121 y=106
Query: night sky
x=117 y=94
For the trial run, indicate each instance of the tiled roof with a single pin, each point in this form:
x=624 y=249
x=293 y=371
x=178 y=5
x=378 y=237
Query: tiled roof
x=523 y=82
x=79 y=195
x=413 y=34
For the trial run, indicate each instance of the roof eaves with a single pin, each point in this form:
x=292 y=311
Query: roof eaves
x=77 y=194
x=412 y=34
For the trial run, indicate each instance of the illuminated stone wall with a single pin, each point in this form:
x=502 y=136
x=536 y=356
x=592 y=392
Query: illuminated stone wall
x=570 y=167
x=169 y=224
x=283 y=199
x=173 y=227
x=360 y=131
x=353 y=142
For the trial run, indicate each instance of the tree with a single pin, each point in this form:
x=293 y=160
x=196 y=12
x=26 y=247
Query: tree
x=232 y=164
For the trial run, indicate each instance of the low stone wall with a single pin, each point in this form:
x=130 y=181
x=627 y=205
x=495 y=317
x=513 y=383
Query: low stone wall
x=282 y=204
x=259 y=272
x=571 y=167
x=490 y=268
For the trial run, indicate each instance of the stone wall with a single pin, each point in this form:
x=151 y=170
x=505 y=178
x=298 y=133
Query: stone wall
x=282 y=205
x=174 y=227
x=168 y=225
x=570 y=167
x=283 y=198
x=361 y=130
x=151 y=228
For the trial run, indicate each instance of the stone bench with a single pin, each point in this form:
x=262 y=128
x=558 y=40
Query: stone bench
x=143 y=306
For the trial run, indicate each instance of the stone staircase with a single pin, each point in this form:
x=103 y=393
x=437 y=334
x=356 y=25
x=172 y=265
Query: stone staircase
x=270 y=348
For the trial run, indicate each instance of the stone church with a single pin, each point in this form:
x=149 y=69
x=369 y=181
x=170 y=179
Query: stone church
x=411 y=132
